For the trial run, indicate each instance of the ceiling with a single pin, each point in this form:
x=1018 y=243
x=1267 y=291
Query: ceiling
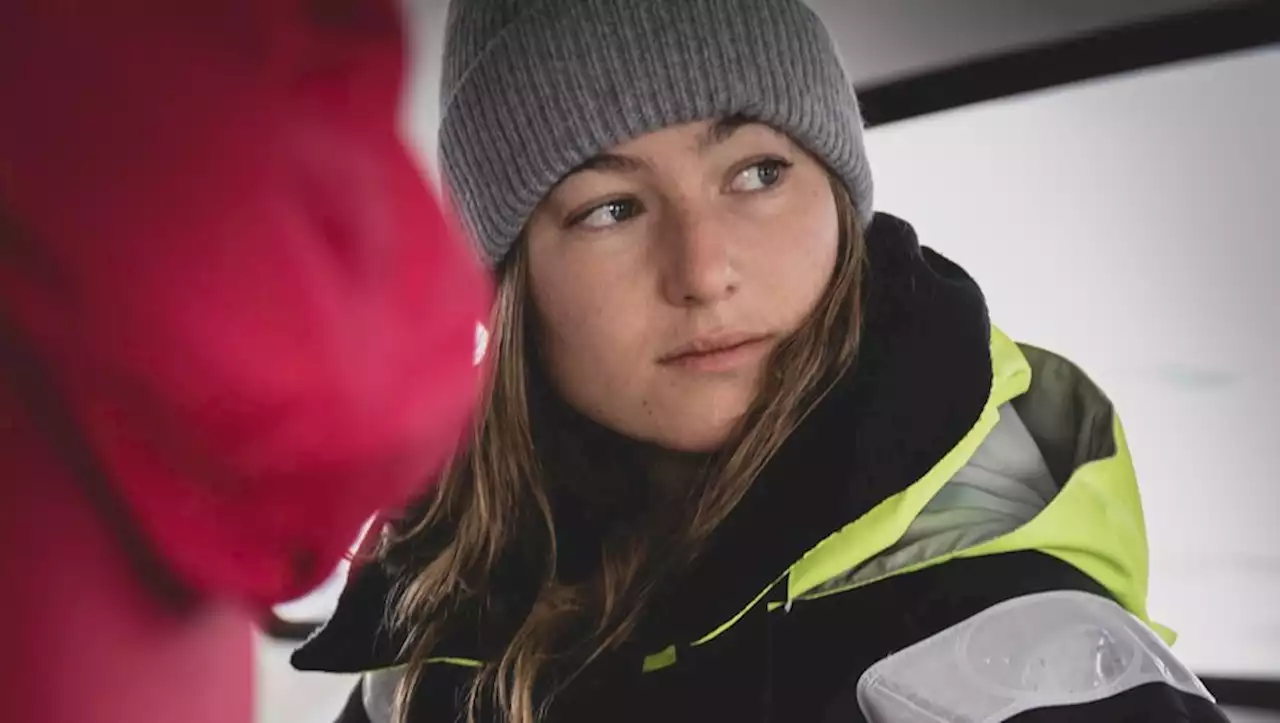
x=882 y=40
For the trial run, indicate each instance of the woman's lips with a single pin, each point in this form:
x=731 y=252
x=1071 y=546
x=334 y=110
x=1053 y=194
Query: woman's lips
x=718 y=354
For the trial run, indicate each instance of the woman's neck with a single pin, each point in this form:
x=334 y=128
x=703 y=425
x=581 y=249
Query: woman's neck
x=618 y=477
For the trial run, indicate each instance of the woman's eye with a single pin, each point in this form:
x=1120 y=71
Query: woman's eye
x=607 y=214
x=760 y=176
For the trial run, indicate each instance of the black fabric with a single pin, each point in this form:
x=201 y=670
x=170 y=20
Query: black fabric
x=355 y=638
x=807 y=662
x=802 y=666
x=1151 y=703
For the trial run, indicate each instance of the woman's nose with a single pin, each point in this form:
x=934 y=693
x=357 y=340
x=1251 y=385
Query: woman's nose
x=699 y=265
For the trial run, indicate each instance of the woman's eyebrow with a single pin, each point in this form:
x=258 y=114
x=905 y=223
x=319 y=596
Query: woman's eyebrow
x=722 y=130
x=614 y=162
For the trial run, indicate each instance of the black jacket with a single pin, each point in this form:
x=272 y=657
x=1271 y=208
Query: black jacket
x=921 y=383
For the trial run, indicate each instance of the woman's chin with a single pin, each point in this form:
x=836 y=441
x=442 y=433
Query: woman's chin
x=698 y=433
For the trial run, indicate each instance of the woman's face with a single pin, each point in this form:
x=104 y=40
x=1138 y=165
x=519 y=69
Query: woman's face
x=665 y=271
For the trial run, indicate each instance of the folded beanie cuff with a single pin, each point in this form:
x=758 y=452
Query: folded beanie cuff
x=565 y=81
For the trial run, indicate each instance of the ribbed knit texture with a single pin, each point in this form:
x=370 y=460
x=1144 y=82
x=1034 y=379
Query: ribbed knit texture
x=532 y=88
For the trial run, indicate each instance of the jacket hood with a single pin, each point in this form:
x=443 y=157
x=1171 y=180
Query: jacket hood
x=919 y=384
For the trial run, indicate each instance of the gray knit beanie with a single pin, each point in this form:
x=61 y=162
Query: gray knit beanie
x=533 y=88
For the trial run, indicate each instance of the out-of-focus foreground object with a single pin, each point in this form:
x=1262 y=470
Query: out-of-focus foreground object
x=233 y=324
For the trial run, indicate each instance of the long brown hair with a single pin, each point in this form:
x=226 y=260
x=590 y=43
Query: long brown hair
x=496 y=487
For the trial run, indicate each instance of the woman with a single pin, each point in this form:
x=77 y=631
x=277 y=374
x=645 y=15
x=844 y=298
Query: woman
x=749 y=452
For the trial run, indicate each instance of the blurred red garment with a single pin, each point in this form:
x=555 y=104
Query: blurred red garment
x=233 y=324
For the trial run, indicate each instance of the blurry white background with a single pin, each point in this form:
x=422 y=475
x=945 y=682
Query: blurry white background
x=1132 y=224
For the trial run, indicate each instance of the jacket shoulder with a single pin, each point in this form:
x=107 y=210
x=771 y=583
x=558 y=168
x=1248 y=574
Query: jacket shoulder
x=1037 y=658
x=1030 y=637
